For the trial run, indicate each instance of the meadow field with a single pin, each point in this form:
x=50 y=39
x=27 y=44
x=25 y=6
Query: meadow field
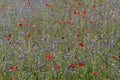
x=59 y=39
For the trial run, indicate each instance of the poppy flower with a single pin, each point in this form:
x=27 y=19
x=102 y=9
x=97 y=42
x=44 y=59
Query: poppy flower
x=79 y=3
x=28 y=1
x=81 y=44
x=28 y=24
x=8 y=36
x=74 y=13
x=72 y=66
x=68 y=21
x=114 y=57
x=57 y=66
x=62 y=37
x=49 y=5
x=81 y=64
x=17 y=43
x=13 y=68
x=36 y=23
x=95 y=73
x=80 y=13
x=94 y=21
x=78 y=35
x=112 y=12
x=84 y=11
x=83 y=17
x=93 y=6
x=72 y=23
x=58 y=21
x=49 y=56
x=23 y=20
x=72 y=42
x=20 y=25
x=84 y=30
x=29 y=35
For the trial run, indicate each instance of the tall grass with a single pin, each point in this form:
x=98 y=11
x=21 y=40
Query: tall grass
x=59 y=40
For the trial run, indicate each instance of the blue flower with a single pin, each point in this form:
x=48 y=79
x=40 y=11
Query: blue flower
x=90 y=55
x=21 y=55
x=84 y=60
x=110 y=55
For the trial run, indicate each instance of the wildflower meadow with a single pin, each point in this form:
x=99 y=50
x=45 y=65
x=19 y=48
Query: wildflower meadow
x=59 y=39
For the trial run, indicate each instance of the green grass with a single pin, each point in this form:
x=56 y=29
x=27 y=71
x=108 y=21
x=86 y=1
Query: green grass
x=46 y=39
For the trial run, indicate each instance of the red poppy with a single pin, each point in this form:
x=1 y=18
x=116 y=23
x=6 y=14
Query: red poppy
x=72 y=42
x=68 y=21
x=78 y=35
x=79 y=3
x=23 y=20
x=20 y=24
x=80 y=13
x=81 y=64
x=93 y=6
x=62 y=37
x=28 y=1
x=58 y=21
x=17 y=42
x=72 y=66
x=72 y=23
x=8 y=36
x=114 y=57
x=81 y=44
x=57 y=66
x=84 y=30
x=84 y=11
x=95 y=73
x=84 y=17
x=13 y=68
x=49 y=56
x=49 y=5
x=29 y=35
x=28 y=24
x=74 y=13
x=112 y=13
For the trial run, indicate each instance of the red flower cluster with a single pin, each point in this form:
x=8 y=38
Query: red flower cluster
x=69 y=22
x=81 y=64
